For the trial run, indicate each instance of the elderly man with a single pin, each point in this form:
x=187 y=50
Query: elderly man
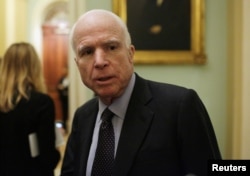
x=152 y=129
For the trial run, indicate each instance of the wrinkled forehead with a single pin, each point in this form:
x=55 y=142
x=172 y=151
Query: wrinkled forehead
x=97 y=22
x=101 y=20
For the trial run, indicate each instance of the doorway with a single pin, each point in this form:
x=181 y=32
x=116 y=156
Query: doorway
x=55 y=30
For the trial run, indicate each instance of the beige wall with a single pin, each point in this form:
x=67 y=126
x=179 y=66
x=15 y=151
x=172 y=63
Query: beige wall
x=245 y=154
x=239 y=80
x=235 y=79
x=20 y=24
x=3 y=27
x=13 y=22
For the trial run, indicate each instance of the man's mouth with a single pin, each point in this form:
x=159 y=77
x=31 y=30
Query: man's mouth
x=104 y=78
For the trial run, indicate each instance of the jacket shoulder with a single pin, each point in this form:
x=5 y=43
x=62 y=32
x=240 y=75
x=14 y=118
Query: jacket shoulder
x=90 y=105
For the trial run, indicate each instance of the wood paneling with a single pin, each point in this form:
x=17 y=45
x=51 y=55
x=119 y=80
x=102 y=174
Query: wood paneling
x=55 y=58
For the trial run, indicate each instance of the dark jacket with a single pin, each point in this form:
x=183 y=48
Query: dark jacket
x=35 y=115
x=166 y=131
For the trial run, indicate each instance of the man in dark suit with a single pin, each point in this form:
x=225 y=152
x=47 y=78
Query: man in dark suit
x=159 y=129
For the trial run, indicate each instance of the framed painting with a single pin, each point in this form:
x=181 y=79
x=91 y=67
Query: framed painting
x=165 y=31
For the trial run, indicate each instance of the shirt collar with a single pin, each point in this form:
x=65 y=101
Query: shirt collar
x=120 y=104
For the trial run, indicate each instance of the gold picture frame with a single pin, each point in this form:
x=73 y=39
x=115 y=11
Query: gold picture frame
x=193 y=55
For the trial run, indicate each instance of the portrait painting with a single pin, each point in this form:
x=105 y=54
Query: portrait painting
x=164 y=31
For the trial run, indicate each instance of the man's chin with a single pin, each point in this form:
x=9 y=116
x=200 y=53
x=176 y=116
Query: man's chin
x=107 y=98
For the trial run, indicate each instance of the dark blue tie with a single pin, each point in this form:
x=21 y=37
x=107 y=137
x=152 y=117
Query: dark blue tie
x=104 y=156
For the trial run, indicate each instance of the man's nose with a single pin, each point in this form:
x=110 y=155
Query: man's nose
x=100 y=59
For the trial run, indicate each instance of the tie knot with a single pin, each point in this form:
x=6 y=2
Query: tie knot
x=107 y=115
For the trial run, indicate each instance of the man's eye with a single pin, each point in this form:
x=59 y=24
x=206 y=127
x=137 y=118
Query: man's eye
x=88 y=51
x=112 y=47
x=85 y=52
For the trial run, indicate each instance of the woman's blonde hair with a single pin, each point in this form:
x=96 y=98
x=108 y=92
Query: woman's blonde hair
x=20 y=72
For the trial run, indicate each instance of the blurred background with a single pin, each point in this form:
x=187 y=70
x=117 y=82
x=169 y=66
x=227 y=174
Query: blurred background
x=223 y=82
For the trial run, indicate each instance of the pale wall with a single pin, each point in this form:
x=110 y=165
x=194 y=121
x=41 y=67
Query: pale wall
x=13 y=23
x=3 y=29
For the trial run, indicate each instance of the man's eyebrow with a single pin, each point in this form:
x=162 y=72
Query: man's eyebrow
x=82 y=47
x=111 y=41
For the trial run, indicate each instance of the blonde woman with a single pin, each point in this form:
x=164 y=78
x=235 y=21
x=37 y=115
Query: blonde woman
x=27 y=130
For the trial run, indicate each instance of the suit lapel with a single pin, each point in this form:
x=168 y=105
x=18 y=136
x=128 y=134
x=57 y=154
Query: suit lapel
x=136 y=124
x=86 y=126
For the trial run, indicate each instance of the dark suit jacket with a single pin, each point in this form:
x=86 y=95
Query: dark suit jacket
x=36 y=115
x=166 y=131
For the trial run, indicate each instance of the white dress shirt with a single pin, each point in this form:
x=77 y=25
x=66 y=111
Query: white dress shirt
x=119 y=108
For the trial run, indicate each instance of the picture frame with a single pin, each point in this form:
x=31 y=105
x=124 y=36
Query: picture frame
x=188 y=18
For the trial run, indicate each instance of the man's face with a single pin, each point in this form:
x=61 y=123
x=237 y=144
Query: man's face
x=104 y=61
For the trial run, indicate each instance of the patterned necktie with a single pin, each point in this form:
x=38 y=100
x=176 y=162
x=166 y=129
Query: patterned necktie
x=104 y=157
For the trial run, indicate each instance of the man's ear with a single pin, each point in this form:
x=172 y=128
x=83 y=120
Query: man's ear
x=131 y=51
x=76 y=61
